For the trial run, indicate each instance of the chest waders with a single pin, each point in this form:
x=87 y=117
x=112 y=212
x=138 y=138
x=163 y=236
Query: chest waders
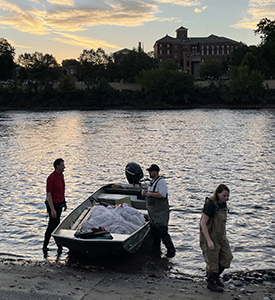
x=158 y=212
x=219 y=258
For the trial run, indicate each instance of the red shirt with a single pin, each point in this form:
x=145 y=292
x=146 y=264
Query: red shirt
x=56 y=186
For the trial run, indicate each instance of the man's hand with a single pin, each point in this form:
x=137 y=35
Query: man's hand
x=53 y=213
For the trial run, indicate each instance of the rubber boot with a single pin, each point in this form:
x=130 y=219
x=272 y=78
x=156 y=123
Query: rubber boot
x=219 y=282
x=212 y=282
x=171 y=251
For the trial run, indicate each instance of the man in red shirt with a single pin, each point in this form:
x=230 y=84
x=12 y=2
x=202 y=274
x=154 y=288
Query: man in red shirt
x=55 y=201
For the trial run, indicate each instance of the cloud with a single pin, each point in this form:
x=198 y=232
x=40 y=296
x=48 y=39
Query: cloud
x=84 y=42
x=18 y=46
x=199 y=10
x=257 y=9
x=181 y=2
x=44 y=17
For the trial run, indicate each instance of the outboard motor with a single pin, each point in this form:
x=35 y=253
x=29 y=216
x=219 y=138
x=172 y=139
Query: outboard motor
x=133 y=173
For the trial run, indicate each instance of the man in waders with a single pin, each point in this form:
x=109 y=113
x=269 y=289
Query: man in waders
x=213 y=240
x=158 y=211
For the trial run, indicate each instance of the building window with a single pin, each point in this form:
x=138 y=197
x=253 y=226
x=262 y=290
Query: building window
x=168 y=45
x=222 y=49
x=176 y=56
x=160 y=51
x=160 y=60
x=176 y=47
x=207 y=50
x=227 y=49
x=160 y=45
x=218 y=49
x=168 y=51
x=202 y=50
x=212 y=49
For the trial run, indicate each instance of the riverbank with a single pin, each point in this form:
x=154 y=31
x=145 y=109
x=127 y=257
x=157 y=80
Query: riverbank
x=45 y=280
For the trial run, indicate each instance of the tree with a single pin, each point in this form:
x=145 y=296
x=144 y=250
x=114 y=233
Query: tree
x=266 y=29
x=170 y=64
x=7 y=53
x=246 y=84
x=129 y=65
x=167 y=86
x=38 y=67
x=92 y=66
x=69 y=62
x=211 y=68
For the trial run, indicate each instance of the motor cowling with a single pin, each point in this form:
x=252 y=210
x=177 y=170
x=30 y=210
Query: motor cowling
x=133 y=173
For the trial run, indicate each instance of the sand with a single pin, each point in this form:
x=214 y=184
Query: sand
x=53 y=280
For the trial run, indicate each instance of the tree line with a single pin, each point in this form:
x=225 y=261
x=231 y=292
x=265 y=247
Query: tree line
x=33 y=77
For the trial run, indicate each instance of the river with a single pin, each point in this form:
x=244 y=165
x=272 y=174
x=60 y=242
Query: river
x=195 y=149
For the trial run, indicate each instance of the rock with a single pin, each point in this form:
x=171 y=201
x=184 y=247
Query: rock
x=238 y=283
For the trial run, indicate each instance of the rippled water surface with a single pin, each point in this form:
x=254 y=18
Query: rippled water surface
x=195 y=149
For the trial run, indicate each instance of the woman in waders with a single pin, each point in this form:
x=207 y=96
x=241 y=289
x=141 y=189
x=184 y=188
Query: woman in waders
x=213 y=240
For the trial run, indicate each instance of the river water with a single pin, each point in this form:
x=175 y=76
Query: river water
x=195 y=149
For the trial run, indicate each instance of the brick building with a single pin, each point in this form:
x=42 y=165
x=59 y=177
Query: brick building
x=191 y=52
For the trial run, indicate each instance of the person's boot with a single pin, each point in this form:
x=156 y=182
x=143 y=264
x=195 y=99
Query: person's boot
x=171 y=251
x=219 y=282
x=212 y=282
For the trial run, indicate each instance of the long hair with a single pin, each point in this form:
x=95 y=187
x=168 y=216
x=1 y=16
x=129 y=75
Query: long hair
x=219 y=189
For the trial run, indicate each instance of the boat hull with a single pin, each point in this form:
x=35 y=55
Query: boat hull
x=121 y=243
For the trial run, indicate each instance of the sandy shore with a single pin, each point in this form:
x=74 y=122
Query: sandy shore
x=54 y=281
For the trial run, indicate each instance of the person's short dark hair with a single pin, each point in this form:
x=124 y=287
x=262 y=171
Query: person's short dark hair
x=57 y=162
x=153 y=167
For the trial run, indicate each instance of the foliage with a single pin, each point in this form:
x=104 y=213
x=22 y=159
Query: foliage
x=92 y=66
x=170 y=64
x=167 y=86
x=129 y=65
x=7 y=53
x=266 y=29
x=211 y=68
x=66 y=85
x=246 y=84
x=39 y=68
x=69 y=62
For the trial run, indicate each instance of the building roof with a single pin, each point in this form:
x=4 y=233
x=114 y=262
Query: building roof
x=181 y=28
x=168 y=38
x=196 y=40
x=122 y=51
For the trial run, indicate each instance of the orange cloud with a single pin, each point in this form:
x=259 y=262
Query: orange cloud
x=257 y=10
x=199 y=10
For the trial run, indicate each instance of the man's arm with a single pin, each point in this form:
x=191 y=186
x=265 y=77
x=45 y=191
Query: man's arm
x=50 y=202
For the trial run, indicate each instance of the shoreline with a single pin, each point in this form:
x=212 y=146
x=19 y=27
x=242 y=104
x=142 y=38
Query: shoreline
x=46 y=280
x=161 y=107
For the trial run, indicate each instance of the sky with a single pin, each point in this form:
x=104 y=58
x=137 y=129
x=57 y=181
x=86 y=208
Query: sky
x=64 y=28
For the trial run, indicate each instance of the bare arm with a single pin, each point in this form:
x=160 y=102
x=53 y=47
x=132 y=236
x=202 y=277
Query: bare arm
x=205 y=232
x=50 y=202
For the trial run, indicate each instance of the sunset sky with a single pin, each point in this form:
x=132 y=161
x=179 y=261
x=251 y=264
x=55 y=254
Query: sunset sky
x=64 y=28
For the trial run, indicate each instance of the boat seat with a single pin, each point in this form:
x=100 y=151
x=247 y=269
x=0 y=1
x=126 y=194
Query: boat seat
x=84 y=216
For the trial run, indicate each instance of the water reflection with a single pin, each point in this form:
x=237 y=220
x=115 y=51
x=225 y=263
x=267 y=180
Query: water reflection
x=196 y=150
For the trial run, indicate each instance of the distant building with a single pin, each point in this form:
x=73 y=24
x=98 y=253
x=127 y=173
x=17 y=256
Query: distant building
x=191 y=52
x=124 y=51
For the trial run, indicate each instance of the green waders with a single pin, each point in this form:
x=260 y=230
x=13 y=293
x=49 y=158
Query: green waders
x=219 y=258
x=158 y=212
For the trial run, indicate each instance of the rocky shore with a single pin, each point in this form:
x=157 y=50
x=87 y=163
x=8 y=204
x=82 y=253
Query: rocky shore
x=55 y=281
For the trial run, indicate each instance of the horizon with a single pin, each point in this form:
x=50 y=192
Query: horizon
x=50 y=26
